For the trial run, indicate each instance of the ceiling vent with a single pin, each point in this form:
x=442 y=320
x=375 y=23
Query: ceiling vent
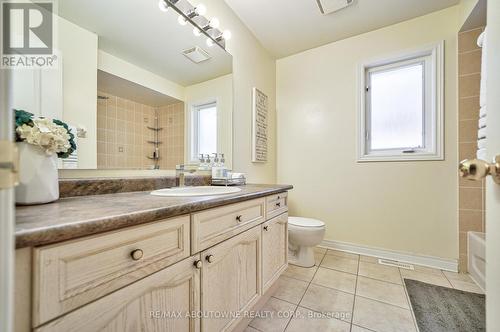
x=330 y=6
x=196 y=54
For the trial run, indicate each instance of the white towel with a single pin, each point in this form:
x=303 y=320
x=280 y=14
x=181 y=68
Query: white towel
x=482 y=122
x=481 y=143
x=482 y=111
x=481 y=154
x=482 y=41
x=481 y=133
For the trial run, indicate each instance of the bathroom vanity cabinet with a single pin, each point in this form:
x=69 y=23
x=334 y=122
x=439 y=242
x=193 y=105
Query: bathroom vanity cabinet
x=194 y=272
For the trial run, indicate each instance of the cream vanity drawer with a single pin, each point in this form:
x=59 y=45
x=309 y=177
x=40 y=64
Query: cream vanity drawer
x=276 y=205
x=70 y=274
x=215 y=225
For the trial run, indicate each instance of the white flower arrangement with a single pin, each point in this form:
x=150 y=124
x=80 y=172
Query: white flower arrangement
x=53 y=136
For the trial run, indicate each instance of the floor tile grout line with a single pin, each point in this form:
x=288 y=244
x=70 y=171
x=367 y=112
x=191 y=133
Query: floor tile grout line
x=330 y=268
x=409 y=302
x=302 y=297
x=382 y=302
x=372 y=278
x=355 y=292
x=368 y=329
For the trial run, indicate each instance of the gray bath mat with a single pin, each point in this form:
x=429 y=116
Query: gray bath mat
x=445 y=309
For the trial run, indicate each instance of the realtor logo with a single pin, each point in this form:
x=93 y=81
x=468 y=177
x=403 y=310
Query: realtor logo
x=27 y=34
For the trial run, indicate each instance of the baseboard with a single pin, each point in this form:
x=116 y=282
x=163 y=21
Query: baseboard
x=429 y=261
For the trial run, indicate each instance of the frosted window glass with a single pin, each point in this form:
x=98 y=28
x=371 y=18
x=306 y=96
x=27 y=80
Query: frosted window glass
x=207 y=126
x=397 y=108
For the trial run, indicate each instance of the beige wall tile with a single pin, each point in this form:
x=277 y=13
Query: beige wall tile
x=469 y=183
x=467 y=41
x=467 y=150
x=469 y=85
x=462 y=263
x=469 y=63
x=470 y=198
x=467 y=131
x=470 y=220
x=462 y=243
x=468 y=108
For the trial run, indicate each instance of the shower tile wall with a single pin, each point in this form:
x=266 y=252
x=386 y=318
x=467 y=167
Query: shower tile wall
x=171 y=119
x=122 y=135
x=471 y=193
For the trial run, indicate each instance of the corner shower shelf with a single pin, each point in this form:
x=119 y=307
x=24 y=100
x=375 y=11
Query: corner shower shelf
x=155 y=129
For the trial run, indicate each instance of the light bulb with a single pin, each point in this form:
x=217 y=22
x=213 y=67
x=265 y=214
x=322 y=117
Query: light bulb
x=196 y=32
x=227 y=34
x=181 y=20
x=210 y=42
x=214 y=22
x=200 y=9
x=163 y=5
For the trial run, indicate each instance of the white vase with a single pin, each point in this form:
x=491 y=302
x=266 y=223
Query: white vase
x=38 y=176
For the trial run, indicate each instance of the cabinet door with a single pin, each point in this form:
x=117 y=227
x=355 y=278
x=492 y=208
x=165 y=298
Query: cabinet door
x=231 y=280
x=160 y=302
x=274 y=249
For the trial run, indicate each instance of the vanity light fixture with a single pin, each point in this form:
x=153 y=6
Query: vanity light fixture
x=201 y=25
x=182 y=20
x=163 y=5
x=227 y=34
x=214 y=23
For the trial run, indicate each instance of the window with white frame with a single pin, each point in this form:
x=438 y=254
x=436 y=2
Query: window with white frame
x=203 y=130
x=401 y=109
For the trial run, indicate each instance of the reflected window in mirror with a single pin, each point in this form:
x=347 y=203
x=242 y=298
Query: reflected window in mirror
x=204 y=129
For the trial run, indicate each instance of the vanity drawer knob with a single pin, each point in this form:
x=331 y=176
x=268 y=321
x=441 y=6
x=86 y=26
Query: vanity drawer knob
x=198 y=264
x=210 y=258
x=136 y=254
x=238 y=217
x=266 y=228
x=278 y=204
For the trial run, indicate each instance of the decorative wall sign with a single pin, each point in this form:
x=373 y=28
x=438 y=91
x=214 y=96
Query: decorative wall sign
x=259 y=126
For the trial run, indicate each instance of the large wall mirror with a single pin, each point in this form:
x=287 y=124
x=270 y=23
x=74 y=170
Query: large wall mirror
x=141 y=90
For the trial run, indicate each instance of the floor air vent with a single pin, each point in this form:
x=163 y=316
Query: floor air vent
x=396 y=264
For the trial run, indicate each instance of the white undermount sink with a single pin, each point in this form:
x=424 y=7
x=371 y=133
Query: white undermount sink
x=195 y=191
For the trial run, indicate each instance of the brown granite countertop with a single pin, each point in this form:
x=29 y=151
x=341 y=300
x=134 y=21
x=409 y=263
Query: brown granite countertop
x=73 y=217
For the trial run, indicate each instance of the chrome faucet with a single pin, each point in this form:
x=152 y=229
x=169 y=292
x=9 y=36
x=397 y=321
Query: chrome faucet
x=180 y=171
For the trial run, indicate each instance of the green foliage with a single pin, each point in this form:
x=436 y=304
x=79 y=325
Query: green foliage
x=23 y=117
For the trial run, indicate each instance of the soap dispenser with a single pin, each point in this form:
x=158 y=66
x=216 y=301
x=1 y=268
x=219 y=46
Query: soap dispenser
x=223 y=168
x=202 y=165
x=215 y=167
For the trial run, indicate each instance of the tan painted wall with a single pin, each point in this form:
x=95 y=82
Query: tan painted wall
x=252 y=66
x=403 y=206
x=219 y=89
x=121 y=68
x=79 y=49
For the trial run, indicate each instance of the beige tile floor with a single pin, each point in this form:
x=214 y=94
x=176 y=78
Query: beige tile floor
x=348 y=293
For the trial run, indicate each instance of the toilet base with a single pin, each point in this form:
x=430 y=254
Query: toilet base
x=301 y=256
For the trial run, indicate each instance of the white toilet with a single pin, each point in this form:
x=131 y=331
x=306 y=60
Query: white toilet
x=303 y=235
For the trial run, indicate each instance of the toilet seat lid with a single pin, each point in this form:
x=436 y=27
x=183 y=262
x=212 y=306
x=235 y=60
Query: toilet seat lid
x=305 y=222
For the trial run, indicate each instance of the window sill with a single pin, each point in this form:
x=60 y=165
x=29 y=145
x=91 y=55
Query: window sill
x=403 y=158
